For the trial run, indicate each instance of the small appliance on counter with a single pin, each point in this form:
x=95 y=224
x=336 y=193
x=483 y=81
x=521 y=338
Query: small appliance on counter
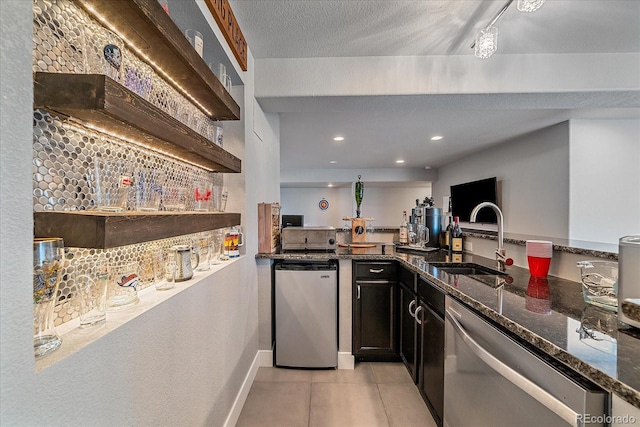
x=427 y=222
x=292 y=221
x=311 y=238
x=629 y=280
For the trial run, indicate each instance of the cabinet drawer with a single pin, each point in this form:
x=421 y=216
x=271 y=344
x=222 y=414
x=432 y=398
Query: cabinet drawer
x=375 y=270
x=432 y=295
x=407 y=278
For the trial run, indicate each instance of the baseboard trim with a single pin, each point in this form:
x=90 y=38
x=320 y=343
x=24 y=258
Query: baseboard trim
x=241 y=398
x=346 y=360
x=266 y=358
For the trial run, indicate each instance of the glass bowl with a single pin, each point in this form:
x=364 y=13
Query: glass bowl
x=600 y=283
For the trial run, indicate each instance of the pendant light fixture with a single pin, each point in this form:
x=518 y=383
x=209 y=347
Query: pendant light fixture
x=529 y=5
x=486 y=42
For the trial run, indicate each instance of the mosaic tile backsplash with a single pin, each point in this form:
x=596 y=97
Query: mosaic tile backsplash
x=67 y=40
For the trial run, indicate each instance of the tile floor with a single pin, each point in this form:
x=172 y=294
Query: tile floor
x=371 y=395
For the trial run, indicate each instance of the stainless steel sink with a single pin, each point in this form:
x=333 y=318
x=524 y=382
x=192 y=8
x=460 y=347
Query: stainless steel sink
x=466 y=269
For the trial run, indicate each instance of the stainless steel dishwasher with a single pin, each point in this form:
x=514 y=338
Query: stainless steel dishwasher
x=493 y=380
x=306 y=314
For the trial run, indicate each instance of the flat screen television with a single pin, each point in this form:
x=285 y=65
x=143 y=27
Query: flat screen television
x=464 y=197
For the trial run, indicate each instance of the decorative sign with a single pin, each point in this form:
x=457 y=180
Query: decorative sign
x=323 y=204
x=221 y=11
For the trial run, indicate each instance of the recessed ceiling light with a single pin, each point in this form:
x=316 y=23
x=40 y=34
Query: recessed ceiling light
x=338 y=138
x=427 y=167
x=400 y=161
x=329 y=185
x=333 y=162
x=436 y=138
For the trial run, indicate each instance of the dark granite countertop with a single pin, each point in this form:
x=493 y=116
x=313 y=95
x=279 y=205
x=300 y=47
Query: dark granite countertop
x=549 y=314
x=579 y=247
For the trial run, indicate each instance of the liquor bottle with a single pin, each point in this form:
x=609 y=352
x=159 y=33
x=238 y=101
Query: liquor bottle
x=448 y=239
x=404 y=229
x=456 y=241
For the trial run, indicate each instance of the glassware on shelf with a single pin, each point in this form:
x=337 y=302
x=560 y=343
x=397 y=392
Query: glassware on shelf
x=48 y=257
x=104 y=53
x=122 y=288
x=203 y=196
x=91 y=292
x=196 y=40
x=204 y=247
x=112 y=181
x=224 y=195
x=149 y=185
x=164 y=269
x=175 y=199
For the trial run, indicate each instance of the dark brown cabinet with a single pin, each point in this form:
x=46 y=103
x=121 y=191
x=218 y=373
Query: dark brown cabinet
x=430 y=316
x=409 y=340
x=374 y=311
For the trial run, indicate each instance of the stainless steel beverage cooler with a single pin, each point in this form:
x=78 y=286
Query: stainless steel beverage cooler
x=431 y=218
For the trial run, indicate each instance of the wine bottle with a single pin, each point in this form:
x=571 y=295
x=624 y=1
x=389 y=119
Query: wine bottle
x=456 y=241
x=404 y=229
x=448 y=239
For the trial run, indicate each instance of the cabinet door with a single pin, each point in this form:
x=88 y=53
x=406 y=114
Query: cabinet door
x=431 y=367
x=408 y=345
x=374 y=323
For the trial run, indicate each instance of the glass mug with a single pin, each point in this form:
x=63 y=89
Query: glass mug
x=233 y=239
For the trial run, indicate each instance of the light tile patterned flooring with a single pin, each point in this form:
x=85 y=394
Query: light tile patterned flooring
x=371 y=395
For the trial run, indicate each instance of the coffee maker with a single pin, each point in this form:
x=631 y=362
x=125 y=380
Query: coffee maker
x=426 y=222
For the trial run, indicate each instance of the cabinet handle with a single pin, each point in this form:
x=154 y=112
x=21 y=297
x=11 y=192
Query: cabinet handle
x=418 y=319
x=410 y=313
x=379 y=270
x=358 y=292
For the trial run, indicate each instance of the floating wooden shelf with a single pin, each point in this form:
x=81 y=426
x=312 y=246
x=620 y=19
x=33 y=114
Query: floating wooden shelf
x=101 y=230
x=144 y=24
x=95 y=99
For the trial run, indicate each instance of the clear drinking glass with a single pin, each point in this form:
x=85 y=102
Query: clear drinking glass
x=196 y=40
x=112 y=181
x=204 y=247
x=149 y=184
x=48 y=256
x=92 y=292
x=223 y=199
x=203 y=196
x=175 y=199
x=164 y=269
x=122 y=287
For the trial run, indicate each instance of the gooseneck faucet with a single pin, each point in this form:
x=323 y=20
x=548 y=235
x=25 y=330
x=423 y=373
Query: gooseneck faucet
x=501 y=257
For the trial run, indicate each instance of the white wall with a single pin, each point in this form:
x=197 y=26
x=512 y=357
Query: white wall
x=385 y=204
x=182 y=362
x=533 y=175
x=605 y=179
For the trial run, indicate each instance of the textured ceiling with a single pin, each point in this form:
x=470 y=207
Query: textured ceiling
x=386 y=127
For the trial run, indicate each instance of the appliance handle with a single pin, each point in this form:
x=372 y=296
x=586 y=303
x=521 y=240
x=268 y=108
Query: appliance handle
x=524 y=384
x=358 y=292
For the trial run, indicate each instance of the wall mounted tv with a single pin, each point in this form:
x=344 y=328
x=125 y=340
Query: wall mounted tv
x=464 y=197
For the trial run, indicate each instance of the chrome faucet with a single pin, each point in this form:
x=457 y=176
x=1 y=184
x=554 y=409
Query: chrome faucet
x=501 y=257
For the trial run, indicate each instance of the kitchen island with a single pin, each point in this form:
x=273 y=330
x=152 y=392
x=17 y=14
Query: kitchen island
x=584 y=338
